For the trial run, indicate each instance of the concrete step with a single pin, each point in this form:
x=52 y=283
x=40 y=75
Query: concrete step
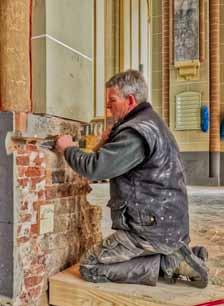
x=68 y=289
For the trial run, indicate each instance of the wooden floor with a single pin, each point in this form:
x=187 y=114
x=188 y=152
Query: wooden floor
x=68 y=289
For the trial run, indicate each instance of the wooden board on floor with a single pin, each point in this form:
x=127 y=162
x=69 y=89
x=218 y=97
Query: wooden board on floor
x=44 y=299
x=68 y=289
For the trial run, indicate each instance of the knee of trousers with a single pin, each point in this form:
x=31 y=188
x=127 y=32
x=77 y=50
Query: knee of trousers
x=88 y=272
x=91 y=273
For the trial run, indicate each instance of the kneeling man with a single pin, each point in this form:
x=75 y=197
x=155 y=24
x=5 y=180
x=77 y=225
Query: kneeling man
x=148 y=197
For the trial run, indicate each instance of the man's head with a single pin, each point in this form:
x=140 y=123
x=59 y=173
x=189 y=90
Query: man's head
x=125 y=91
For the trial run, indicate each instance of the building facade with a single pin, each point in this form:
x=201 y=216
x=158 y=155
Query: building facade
x=55 y=56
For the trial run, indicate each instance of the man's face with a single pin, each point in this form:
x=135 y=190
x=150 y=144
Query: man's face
x=117 y=104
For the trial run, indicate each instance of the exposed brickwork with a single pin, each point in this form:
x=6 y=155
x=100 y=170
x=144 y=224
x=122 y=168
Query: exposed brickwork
x=214 y=10
x=43 y=177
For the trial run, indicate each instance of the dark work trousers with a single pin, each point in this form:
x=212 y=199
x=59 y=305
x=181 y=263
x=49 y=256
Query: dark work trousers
x=125 y=257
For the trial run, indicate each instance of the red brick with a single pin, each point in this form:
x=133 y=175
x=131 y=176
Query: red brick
x=22 y=160
x=36 y=180
x=24 y=206
x=34 y=229
x=22 y=240
x=21 y=171
x=31 y=147
x=25 y=218
x=37 y=204
x=35 y=292
x=38 y=269
x=33 y=171
x=64 y=190
x=19 y=229
x=23 y=182
x=33 y=281
x=38 y=160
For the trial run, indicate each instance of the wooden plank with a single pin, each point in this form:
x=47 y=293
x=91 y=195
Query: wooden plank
x=68 y=289
x=44 y=299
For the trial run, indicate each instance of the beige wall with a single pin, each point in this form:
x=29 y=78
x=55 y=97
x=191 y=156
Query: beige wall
x=63 y=58
x=192 y=140
x=188 y=140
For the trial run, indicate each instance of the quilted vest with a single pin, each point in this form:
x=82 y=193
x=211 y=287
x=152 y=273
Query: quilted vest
x=151 y=199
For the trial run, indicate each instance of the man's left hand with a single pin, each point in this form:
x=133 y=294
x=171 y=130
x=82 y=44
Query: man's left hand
x=63 y=142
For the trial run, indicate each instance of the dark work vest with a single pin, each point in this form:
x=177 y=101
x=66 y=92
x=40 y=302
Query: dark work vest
x=151 y=199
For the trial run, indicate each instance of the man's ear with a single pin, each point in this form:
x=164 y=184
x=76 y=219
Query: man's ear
x=132 y=101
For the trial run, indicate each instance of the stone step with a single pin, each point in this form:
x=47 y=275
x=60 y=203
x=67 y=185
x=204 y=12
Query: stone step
x=68 y=289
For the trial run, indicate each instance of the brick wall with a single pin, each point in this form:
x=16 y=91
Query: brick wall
x=42 y=177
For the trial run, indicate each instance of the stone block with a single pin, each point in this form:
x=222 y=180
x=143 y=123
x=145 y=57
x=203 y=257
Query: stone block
x=6 y=259
x=6 y=170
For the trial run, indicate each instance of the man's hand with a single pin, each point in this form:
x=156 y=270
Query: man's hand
x=63 y=142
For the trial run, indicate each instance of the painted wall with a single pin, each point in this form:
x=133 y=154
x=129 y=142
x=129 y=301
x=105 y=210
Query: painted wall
x=62 y=46
x=187 y=140
x=194 y=145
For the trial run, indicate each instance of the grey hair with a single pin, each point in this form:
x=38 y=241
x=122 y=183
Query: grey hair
x=130 y=82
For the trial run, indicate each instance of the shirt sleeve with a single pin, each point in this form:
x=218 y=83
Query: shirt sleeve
x=115 y=158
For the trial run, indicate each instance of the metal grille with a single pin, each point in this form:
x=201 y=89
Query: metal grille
x=188 y=111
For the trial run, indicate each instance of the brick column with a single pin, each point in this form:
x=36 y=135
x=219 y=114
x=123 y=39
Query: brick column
x=214 y=20
x=165 y=60
x=15 y=57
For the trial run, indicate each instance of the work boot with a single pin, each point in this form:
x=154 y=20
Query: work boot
x=193 y=266
x=175 y=266
x=168 y=266
x=200 y=252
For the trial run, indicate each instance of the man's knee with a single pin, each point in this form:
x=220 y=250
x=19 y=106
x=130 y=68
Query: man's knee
x=91 y=273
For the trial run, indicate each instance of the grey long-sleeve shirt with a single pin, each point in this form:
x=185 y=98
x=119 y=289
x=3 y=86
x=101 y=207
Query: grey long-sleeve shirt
x=112 y=160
